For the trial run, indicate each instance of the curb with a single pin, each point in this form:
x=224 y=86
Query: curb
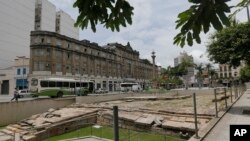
x=203 y=132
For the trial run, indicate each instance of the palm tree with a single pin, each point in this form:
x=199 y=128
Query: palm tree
x=199 y=75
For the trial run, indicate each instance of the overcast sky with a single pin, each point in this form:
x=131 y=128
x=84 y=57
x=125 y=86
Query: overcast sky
x=153 y=28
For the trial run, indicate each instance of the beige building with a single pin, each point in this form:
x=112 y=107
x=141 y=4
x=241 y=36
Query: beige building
x=55 y=55
x=7 y=81
x=227 y=73
x=14 y=76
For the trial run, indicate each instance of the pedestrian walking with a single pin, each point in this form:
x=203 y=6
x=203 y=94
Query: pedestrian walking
x=16 y=95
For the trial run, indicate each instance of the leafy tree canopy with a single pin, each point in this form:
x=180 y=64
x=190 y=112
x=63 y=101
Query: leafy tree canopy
x=111 y=13
x=231 y=45
x=199 y=17
x=245 y=74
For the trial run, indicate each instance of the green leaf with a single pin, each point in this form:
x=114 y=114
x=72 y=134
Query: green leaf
x=182 y=42
x=189 y=39
x=216 y=22
x=111 y=13
x=224 y=18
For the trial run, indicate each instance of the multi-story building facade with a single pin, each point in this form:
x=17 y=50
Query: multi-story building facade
x=190 y=74
x=17 y=20
x=20 y=17
x=65 y=25
x=228 y=74
x=45 y=15
x=55 y=55
x=15 y=76
x=21 y=69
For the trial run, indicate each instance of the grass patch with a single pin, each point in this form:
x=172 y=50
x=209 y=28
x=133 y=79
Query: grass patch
x=107 y=132
x=246 y=112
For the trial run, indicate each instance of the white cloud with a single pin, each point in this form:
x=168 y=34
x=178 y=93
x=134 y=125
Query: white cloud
x=153 y=28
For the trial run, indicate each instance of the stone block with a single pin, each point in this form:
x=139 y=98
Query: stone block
x=28 y=137
x=6 y=138
x=148 y=120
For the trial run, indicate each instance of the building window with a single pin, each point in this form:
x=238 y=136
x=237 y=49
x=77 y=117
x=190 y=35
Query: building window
x=18 y=71
x=225 y=68
x=48 y=52
x=58 y=43
x=59 y=54
x=59 y=67
x=24 y=70
x=48 y=40
x=68 y=45
x=42 y=40
x=68 y=69
x=68 y=55
x=77 y=48
x=39 y=66
x=85 y=50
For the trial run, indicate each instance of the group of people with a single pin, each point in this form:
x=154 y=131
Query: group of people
x=16 y=95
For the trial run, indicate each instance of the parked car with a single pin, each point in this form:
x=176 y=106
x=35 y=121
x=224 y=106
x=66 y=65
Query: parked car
x=23 y=93
x=101 y=91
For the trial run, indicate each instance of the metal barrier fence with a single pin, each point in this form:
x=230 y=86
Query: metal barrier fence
x=106 y=132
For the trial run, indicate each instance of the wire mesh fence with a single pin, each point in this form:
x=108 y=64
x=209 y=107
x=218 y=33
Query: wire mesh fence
x=106 y=132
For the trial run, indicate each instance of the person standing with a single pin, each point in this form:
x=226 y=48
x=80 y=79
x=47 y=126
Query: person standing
x=16 y=95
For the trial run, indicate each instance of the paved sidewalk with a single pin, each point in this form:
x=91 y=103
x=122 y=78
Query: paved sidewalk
x=234 y=116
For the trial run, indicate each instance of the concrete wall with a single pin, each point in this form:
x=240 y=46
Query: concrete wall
x=11 y=112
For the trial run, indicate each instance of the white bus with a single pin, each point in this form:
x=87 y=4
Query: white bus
x=57 y=87
x=127 y=86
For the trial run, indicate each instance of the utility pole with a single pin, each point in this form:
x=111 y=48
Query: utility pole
x=154 y=75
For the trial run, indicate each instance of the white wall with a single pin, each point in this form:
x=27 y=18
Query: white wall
x=67 y=26
x=9 y=75
x=48 y=16
x=17 y=20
